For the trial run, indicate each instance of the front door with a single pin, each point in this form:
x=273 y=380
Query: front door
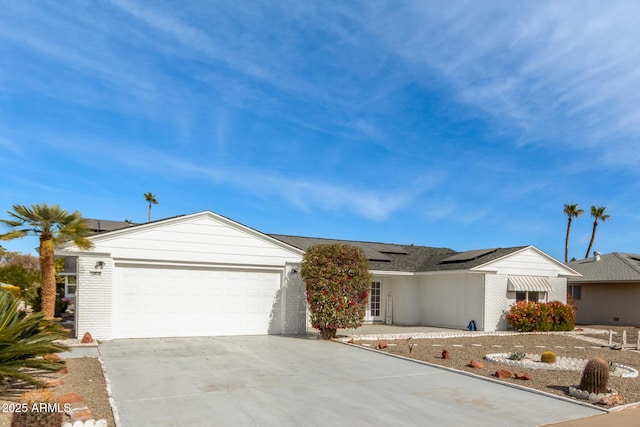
x=374 y=310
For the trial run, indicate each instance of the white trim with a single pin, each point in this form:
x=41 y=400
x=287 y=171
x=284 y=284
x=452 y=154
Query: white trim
x=439 y=272
x=63 y=252
x=149 y=262
x=161 y=223
x=569 y=271
x=391 y=273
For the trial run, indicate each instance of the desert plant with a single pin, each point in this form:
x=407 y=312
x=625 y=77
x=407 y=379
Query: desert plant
x=548 y=357
x=337 y=279
x=24 y=339
x=41 y=408
x=518 y=355
x=595 y=376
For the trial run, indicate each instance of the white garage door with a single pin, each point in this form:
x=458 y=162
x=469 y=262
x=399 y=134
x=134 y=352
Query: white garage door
x=177 y=302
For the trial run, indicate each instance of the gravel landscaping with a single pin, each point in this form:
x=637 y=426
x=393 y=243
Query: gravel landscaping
x=84 y=378
x=463 y=349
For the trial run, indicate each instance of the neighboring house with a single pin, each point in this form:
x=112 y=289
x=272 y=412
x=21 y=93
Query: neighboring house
x=608 y=291
x=205 y=275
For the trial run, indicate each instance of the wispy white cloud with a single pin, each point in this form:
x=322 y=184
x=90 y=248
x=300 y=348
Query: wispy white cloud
x=11 y=147
x=303 y=193
x=553 y=73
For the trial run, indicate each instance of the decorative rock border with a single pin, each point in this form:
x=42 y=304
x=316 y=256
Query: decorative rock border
x=591 y=397
x=87 y=423
x=532 y=361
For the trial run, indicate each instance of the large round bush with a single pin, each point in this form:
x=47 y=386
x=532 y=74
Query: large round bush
x=337 y=279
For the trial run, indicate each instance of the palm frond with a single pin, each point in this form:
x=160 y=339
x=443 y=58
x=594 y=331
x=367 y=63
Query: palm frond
x=24 y=339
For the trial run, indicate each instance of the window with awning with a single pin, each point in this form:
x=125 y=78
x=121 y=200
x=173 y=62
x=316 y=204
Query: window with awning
x=528 y=284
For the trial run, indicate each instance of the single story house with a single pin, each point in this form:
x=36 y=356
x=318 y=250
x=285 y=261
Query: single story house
x=608 y=291
x=205 y=275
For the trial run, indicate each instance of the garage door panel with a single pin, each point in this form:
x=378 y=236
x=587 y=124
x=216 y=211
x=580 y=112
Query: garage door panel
x=162 y=302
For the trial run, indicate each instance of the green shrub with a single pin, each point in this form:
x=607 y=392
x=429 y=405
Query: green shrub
x=562 y=315
x=13 y=290
x=548 y=357
x=24 y=339
x=337 y=279
x=26 y=279
x=527 y=316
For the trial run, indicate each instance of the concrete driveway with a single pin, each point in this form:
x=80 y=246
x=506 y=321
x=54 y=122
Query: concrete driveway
x=288 y=381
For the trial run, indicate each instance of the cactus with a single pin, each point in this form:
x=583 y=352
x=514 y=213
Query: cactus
x=46 y=410
x=548 y=357
x=517 y=356
x=595 y=376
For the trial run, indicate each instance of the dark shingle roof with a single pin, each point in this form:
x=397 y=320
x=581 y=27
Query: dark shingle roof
x=443 y=265
x=103 y=225
x=613 y=267
x=411 y=258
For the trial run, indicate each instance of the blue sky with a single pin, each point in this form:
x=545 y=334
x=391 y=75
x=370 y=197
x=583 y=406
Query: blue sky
x=466 y=126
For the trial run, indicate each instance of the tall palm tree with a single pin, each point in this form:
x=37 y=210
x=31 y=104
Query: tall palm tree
x=598 y=215
x=151 y=199
x=572 y=211
x=51 y=224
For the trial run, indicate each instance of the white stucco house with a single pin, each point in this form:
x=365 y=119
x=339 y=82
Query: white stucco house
x=207 y=275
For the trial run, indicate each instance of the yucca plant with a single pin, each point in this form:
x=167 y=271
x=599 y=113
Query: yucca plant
x=24 y=339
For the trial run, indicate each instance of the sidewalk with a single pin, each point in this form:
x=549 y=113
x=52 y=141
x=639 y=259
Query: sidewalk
x=629 y=417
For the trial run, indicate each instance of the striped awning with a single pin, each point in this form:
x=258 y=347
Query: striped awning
x=529 y=283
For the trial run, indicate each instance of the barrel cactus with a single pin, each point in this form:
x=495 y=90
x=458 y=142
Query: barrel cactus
x=595 y=376
x=548 y=357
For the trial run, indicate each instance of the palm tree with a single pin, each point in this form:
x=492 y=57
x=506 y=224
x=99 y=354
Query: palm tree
x=598 y=215
x=572 y=211
x=52 y=224
x=151 y=199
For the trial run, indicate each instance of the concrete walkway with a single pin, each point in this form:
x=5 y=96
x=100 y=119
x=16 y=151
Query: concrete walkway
x=287 y=381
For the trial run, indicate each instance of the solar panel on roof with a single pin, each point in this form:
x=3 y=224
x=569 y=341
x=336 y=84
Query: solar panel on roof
x=468 y=255
x=371 y=253
x=387 y=248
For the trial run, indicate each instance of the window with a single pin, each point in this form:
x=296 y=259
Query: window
x=70 y=286
x=528 y=296
x=575 y=291
x=374 y=299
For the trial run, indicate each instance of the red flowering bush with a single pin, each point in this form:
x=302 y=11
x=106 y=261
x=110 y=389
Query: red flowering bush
x=337 y=279
x=563 y=315
x=527 y=316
